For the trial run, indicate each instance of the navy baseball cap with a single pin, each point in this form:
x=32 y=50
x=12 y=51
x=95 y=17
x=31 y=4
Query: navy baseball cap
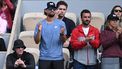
x=51 y=5
x=112 y=17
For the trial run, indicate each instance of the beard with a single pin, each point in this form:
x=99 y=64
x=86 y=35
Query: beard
x=51 y=15
x=86 y=22
x=60 y=16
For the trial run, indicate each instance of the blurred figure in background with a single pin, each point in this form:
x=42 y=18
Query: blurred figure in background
x=3 y=28
x=8 y=9
x=117 y=10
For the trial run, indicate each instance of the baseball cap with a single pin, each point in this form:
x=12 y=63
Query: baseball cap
x=112 y=17
x=51 y=5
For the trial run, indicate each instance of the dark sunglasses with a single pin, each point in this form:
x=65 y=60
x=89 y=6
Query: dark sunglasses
x=61 y=9
x=118 y=10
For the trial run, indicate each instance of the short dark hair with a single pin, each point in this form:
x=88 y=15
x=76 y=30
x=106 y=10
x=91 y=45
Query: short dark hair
x=84 y=11
x=61 y=3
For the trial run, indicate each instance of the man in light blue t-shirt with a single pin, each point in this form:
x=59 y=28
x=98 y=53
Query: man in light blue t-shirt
x=50 y=33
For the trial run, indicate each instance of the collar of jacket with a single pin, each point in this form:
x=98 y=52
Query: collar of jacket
x=80 y=28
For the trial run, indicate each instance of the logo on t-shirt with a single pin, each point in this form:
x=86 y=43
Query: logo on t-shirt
x=55 y=27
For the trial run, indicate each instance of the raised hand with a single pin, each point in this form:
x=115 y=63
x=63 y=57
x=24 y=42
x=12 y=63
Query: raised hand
x=39 y=27
x=62 y=30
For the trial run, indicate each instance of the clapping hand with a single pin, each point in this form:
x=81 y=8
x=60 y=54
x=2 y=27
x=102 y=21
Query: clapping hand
x=62 y=36
x=20 y=62
x=39 y=27
x=62 y=30
x=89 y=38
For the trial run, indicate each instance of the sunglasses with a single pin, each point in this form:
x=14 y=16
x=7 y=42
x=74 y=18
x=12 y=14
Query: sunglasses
x=118 y=10
x=61 y=9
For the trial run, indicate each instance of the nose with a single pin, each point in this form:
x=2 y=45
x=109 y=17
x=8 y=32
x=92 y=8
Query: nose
x=52 y=10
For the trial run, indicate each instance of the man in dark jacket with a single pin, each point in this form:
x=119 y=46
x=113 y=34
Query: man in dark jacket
x=70 y=24
x=20 y=59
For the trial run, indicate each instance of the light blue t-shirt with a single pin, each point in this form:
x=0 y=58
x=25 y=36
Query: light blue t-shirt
x=50 y=44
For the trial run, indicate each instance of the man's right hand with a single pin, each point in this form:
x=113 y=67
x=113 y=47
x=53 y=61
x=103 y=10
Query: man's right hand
x=39 y=27
x=89 y=38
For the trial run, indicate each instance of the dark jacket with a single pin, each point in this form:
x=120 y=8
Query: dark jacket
x=27 y=57
x=111 y=45
x=70 y=25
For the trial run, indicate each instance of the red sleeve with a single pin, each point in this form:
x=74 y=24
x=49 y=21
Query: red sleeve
x=9 y=4
x=96 y=42
x=74 y=41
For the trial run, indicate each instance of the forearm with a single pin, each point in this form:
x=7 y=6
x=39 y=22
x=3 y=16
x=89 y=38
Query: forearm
x=37 y=37
x=9 y=4
x=63 y=37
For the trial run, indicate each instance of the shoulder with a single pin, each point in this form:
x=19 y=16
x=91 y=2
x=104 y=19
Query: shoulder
x=42 y=21
x=60 y=22
x=67 y=20
x=94 y=28
x=27 y=53
x=57 y=20
x=11 y=55
x=79 y=27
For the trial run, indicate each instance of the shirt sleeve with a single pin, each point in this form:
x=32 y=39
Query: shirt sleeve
x=9 y=62
x=96 y=42
x=9 y=4
x=76 y=44
x=31 y=62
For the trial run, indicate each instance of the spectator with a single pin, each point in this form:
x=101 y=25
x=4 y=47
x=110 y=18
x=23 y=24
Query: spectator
x=110 y=40
x=20 y=59
x=70 y=25
x=3 y=27
x=62 y=8
x=117 y=10
x=85 y=41
x=8 y=9
x=50 y=33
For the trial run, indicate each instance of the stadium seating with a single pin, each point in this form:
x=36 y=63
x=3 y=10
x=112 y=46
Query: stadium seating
x=34 y=52
x=31 y=19
x=71 y=16
x=28 y=39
